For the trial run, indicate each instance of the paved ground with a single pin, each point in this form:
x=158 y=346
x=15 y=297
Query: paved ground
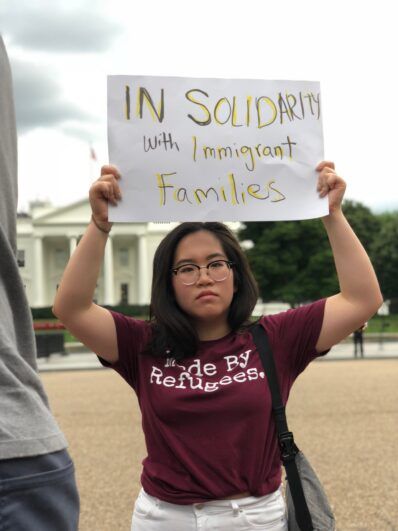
x=344 y=415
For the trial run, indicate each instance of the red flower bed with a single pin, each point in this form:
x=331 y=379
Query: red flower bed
x=48 y=326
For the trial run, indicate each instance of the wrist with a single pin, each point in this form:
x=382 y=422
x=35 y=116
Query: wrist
x=333 y=214
x=103 y=226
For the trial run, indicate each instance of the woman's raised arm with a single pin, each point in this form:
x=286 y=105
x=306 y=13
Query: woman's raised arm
x=360 y=295
x=73 y=304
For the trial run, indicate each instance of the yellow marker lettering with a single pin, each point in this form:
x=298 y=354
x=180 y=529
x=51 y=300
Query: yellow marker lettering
x=217 y=106
x=272 y=107
x=196 y=196
x=194 y=148
x=247 y=149
x=143 y=96
x=278 y=152
x=162 y=186
x=207 y=150
x=190 y=98
x=254 y=193
x=233 y=122
x=224 y=152
x=232 y=184
x=248 y=106
x=127 y=102
x=289 y=109
x=205 y=193
x=159 y=178
x=281 y=196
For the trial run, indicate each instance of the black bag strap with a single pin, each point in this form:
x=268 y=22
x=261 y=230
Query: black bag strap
x=285 y=437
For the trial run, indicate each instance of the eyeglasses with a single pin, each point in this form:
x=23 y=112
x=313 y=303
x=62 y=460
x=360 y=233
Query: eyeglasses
x=189 y=274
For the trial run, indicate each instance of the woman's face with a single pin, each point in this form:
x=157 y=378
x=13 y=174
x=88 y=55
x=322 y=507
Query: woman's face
x=206 y=301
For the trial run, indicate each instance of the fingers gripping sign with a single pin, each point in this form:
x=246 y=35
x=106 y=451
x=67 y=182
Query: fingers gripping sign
x=103 y=191
x=330 y=184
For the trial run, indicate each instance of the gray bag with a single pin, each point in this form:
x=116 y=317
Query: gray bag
x=315 y=497
x=307 y=504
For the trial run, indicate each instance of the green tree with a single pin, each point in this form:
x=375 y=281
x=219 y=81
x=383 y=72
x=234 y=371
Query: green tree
x=385 y=257
x=366 y=225
x=292 y=260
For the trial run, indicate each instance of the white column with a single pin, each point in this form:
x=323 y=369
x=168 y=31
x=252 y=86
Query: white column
x=38 y=283
x=143 y=287
x=72 y=244
x=108 y=273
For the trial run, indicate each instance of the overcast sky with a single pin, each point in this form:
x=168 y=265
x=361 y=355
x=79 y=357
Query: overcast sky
x=61 y=53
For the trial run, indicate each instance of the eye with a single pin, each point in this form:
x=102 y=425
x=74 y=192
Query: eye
x=187 y=268
x=217 y=264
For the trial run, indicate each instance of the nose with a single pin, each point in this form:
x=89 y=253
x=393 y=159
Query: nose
x=204 y=278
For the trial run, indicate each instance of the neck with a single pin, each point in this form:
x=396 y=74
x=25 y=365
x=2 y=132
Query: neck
x=208 y=332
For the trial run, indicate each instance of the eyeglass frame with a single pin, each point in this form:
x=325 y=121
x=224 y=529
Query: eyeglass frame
x=229 y=263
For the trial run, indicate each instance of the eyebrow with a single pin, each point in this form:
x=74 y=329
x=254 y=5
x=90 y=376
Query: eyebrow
x=192 y=261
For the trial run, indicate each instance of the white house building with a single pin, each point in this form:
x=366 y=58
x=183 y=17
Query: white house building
x=47 y=236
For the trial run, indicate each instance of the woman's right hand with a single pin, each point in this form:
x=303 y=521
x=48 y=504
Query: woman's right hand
x=103 y=190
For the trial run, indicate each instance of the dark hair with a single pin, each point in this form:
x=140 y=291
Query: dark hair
x=173 y=332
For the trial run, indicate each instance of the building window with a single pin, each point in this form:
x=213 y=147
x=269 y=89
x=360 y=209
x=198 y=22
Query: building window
x=60 y=258
x=21 y=257
x=124 y=257
x=124 y=294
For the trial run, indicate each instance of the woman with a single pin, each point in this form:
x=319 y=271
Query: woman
x=213 y=461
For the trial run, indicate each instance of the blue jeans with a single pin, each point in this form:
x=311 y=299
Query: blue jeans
x=242 y=514
x=39 y=493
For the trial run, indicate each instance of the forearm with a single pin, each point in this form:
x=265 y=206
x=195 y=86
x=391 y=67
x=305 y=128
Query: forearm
x=78 y=283
x=357 y=279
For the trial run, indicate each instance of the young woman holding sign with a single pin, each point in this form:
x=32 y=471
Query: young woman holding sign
x=213 y=460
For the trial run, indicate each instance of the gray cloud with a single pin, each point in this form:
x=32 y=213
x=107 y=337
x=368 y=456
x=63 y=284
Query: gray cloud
x=87 y=134
x=52 y=27
x=39 y=31
x=38 y=99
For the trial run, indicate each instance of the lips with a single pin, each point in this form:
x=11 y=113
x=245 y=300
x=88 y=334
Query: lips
x=205 y=293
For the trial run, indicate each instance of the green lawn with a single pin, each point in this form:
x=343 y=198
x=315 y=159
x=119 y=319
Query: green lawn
x=388 y=323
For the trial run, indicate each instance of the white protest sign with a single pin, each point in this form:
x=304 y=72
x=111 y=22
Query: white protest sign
x=215 y=149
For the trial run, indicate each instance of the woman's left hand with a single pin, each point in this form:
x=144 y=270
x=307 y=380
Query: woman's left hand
x=330 y=184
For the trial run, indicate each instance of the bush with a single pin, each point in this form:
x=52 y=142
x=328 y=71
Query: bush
x=42 y=313
x=133 y=310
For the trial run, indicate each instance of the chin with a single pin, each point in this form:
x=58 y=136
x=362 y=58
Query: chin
x=210 y=313
x=210 y=316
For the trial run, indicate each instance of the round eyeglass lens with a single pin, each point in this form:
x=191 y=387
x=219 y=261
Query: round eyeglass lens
x=219 y=270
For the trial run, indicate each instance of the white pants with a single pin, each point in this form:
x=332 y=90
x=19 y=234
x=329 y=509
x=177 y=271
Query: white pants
x=242 y=514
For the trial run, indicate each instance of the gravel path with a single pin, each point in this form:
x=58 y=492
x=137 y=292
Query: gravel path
x=344 y=415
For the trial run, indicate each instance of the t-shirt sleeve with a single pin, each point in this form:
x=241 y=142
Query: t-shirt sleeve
x=132 y=337
x=294 y=334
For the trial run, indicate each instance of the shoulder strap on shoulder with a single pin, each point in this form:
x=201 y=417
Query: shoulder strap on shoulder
x=264 y=349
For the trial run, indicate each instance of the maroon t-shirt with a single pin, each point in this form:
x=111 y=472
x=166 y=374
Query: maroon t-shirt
x=207 y=420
